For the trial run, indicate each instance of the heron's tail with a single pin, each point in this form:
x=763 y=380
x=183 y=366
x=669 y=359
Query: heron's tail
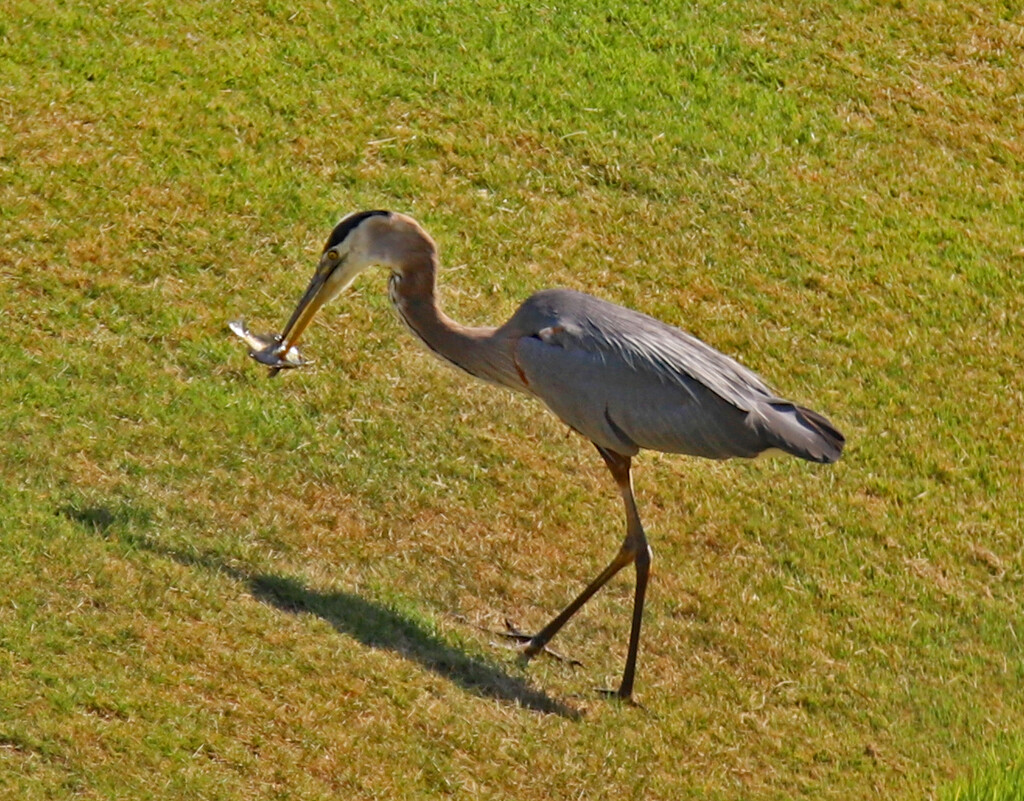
x=799 y=431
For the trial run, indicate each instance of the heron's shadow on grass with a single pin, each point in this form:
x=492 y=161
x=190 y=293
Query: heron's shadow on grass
x=370 y=623
x=378 y=626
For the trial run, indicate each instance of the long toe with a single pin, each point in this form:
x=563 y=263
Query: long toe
x=618 y=696
x=530 y=647
x=513 y=632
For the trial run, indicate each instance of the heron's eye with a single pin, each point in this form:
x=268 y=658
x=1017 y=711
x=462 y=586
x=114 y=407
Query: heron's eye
x=332 y=255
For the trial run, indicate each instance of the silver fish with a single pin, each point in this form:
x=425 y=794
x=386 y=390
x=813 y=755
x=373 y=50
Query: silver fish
x=267 y=349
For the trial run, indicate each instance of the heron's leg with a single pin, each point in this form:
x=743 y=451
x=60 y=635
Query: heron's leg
x=642 y=561
x=634 y=550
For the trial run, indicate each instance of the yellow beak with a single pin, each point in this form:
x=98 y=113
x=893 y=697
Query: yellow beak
x=312 y=299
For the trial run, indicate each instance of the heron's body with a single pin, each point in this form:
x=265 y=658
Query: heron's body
x=622 y=379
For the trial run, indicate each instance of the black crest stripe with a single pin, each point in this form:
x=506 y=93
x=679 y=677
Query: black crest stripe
x=345 y=227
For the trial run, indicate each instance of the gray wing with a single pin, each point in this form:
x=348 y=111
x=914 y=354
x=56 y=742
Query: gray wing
x=628 y=381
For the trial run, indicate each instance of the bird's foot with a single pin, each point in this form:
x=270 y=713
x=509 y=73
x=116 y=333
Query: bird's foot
x=628 y=700
x=512 y=632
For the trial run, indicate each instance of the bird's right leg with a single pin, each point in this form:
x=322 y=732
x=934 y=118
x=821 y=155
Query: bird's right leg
x=539 y=641
x=634 y=550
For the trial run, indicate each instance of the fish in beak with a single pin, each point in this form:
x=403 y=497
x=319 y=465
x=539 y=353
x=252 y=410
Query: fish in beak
x=280 y=351
x=268 y=349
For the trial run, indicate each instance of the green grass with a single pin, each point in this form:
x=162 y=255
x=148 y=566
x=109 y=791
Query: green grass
x=218 y=586
x=996 y=777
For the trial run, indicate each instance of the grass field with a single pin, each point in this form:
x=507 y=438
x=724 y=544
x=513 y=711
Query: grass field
x=222 y=587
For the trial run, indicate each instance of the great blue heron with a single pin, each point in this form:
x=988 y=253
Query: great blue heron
x=623 y=380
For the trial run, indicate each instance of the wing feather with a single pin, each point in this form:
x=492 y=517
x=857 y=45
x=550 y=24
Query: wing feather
x=642 y=344
x=627 y=381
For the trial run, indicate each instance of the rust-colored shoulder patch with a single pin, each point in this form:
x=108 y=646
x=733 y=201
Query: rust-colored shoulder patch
x=515 y=362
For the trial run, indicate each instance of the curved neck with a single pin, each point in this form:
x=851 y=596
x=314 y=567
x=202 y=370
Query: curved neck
x=474 y=350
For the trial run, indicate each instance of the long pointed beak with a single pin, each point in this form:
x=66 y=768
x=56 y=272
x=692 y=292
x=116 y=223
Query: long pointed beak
x=312 y=299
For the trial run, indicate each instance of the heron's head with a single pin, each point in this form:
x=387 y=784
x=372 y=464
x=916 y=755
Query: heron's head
x=359 y=241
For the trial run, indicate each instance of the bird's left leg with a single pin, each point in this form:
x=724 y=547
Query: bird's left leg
x=636 y=541
x=634 y=550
